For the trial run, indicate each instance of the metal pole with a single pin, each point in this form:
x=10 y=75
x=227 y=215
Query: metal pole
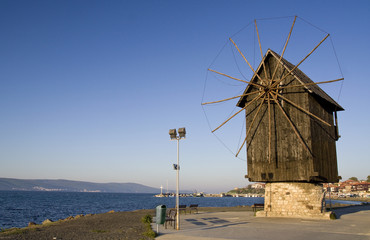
x=330 y=196
x=177 y=188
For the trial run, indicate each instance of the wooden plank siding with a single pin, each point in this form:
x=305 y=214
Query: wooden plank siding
x=323 y=144
x=290 y=160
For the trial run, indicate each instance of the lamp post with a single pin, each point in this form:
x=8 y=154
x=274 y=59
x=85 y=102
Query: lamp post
x=174 y=136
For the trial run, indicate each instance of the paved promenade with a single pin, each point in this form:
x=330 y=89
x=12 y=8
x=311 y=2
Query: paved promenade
x=353 y=223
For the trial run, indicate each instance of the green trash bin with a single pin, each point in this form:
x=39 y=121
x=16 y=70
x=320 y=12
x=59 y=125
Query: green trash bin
x=160 y=214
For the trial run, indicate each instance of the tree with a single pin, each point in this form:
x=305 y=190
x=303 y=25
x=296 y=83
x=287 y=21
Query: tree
x=368 y=179
x=353 y=178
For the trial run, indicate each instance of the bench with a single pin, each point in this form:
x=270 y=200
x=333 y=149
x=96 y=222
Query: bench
x=258 y=205
x=182 y=208
x=171 y=218
x=193 y=207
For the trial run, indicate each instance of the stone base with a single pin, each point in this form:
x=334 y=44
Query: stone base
x=295 y=200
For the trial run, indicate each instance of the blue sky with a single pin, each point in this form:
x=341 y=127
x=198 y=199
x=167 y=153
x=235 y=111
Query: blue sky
x=89 y=89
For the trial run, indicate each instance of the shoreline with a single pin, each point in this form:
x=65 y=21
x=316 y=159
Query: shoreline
x=109 y=225
x=354 y=199
x=112 y=225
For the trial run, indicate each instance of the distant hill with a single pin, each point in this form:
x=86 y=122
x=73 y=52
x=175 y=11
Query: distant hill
x=11 y=184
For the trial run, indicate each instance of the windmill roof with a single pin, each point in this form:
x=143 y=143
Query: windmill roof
x=300 y=76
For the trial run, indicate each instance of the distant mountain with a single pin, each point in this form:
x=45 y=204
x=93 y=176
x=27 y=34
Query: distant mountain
x=11 y=184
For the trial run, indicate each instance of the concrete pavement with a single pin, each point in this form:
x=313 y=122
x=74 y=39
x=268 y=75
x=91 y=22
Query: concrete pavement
x=353 y=223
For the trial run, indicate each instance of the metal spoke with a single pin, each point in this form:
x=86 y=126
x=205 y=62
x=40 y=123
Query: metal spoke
x=227 y=99
x=250 y=126
x=254 y=99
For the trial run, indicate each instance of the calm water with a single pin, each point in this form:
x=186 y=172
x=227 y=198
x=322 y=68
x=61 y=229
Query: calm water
x=17 y=208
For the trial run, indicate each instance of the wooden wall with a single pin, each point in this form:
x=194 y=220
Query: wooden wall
x=290 y=160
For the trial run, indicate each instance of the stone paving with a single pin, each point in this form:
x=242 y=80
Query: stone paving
x=353 y=223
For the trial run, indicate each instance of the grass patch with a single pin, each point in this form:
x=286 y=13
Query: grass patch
x=14 y=231
x=147 y=220
x=99 y=231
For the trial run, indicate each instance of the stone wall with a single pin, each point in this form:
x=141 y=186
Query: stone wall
x=294 y=199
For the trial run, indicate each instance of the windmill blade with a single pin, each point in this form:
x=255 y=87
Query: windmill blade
x=237 y=79
x=280 y=80
x=254 y=99
x=227 y=99
x=291 y=123
x=250 y=126
x=246 y=60
x=259 y=43
x=269 y=117
x=302 y=109
x=286 y=44
x=308 y=84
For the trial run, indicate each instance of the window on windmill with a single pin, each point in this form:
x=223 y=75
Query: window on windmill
x=271 y=176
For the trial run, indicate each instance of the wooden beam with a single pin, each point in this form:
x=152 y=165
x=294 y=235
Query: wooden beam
x=290 y=122
x=336 y=129
x=309 y=84
x=250 y=126
x=246 y=60
x=237 y=79
x=286 y=43
x=226 y=99
x=280 y=80
x=263 y=62
x=269 y=116
x=302 y=109
x=254 y=99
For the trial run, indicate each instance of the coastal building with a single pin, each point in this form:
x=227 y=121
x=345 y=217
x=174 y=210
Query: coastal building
x=258 y=185
x=348 y=188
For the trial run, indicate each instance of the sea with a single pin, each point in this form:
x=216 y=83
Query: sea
x=18 y=208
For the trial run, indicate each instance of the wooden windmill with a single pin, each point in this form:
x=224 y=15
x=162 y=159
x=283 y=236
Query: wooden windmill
x=291 y=125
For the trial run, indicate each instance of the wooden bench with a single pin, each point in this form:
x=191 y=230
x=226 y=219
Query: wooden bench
x=171 y=218
x=193 y=207
x=182 y=208
x=258 y=205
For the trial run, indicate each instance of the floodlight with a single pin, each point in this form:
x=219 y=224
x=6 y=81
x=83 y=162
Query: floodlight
x=182 y=132
x=173 y=133
x=173 y=136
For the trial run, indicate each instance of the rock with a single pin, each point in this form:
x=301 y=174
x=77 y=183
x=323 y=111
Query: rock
x=47 y=221
x=111 y=211
x=69 y=218
x=88 y=215
x=30 y=224
x=78 y=216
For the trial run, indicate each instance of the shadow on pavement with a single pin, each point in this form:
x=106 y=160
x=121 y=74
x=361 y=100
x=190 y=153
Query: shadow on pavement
x=224 y=226
x=351 y=209
x=221 y=223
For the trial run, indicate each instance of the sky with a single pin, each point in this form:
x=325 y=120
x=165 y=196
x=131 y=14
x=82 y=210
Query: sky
x=90 y=89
